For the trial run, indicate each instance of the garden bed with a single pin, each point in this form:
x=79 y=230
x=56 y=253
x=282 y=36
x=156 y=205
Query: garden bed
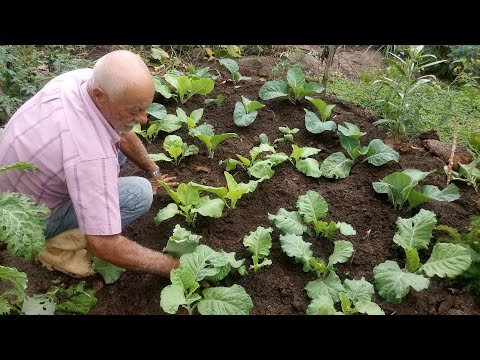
x=279 y=288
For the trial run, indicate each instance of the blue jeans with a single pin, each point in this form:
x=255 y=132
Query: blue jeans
x=135 y=197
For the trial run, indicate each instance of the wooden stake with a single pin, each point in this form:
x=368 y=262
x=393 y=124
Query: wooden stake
x=452 y=154
x=331 y=54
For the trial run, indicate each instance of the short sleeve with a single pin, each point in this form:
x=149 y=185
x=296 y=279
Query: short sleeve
x=93 y=188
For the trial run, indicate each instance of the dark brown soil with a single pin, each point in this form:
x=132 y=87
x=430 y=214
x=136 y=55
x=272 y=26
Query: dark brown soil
x=279 y=288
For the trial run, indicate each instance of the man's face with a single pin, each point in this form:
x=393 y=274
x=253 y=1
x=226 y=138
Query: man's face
x=129 y=109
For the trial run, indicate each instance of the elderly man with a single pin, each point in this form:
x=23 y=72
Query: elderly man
x=74 y=130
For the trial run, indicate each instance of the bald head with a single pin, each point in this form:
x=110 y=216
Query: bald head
x=121 y=72
x=122 y=88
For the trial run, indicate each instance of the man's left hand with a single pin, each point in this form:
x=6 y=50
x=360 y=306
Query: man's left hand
x=169 y=180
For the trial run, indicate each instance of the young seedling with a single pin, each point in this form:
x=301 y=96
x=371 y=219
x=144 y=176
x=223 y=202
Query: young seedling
x=469 y=173
x=245 y=112
x=181 y=242
x=217 y=101
x=177 y=149
x=187 y=87
x=13 y=295
x=207 y=136
x=338 y=166
x=22 y=222
x=189 y=203
x=287 y=134
x=446 y=260
x=399 y=186
x=205 y=264
x=303 y=162
x=294 y=89
x=232 y=66
x=258 y=243
x=191 y=120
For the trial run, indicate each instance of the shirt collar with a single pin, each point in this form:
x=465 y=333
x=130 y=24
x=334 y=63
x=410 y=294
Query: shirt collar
x=92 y=109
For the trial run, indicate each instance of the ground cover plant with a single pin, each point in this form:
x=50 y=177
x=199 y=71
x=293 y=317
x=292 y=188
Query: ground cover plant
x=280 y=287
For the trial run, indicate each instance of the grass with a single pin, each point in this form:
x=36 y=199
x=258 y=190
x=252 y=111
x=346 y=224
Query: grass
x=465 y=105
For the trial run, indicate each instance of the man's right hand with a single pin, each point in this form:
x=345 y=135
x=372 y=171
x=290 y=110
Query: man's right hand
x=169 y=180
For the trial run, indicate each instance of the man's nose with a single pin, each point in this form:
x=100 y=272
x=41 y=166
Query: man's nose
x=141 y=118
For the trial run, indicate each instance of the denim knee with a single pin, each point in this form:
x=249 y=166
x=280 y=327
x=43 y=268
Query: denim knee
x=136 y=197
x=143 y=188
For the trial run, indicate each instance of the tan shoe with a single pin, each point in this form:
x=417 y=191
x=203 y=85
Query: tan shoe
x=66 y=253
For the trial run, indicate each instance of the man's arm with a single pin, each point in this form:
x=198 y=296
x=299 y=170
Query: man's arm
x=132 y=147
x=134 y=150
x=129 y=255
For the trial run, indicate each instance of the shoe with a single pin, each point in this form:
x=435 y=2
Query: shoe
x=73 y=263
x=66 y=253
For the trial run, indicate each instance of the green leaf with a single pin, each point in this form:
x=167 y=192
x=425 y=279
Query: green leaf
x=312 y=206
x=209 y=207
x=202 y=86
x=241 y=117
x=234 y=50
x=181 y=242
x=20 y=166
x=311 y=88
x=336 y=166
x=393 y=283
x=331 y=287
x=323 y=108
x=379 y=154
x=19 y=281
x=341 y=253
x=350 y=131
x=185 y=277
x=171 y=298
x=368 y=307
x=309 y=167
x=261 y=169
x=166 y=213
x=315 y=125
x=109 y=272
x=159 y=54
x=273 y=89
x=259 y=242
x=173 y=144
x=323 y=305
x=237 y=190
x=217 y=101
x=296 y=79
x=232 y=300
x=157 y=110
x=40 y=304
x=251 y=105
x=159 y=157
x=412 y=262
x=345 y=229
x=22 y=224
x=169 y=123
x=450 y=193
x=415 y=232
x=289 y=222
x=204 y=261
x=358 y=290
x=79 y=299
x=447 y=260
x=294 y=246
x=162 y=89
x=231 y=65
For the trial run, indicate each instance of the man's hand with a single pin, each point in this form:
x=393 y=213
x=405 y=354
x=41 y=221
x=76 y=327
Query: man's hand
x=169 y=180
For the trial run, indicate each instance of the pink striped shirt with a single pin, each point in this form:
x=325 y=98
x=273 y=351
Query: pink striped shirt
x=74 y=148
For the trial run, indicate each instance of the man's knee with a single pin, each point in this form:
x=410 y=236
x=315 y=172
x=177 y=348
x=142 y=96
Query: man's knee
x=136 y=194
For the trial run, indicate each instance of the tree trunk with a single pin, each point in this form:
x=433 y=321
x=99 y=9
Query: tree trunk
x=331 y=54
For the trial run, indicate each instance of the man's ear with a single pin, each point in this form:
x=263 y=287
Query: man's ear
x=99 y=94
